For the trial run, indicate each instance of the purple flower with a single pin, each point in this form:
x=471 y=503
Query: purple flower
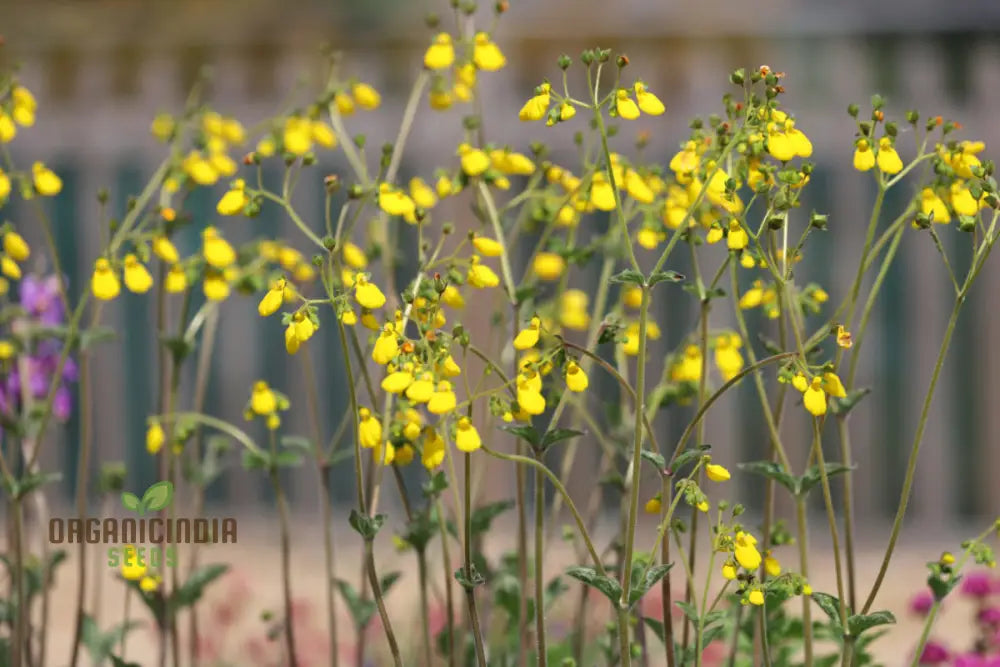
x=977 y=584
x=989 y=616
x=40 y=298
x=62 y=404
x=934 y=654
x=976 y=660
x=921 y=603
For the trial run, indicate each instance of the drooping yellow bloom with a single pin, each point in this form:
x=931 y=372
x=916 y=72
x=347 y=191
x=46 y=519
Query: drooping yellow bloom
x=771 y=565
x=104 y=283
x=165 y=250
x=727 y=356
x=433 y=449
x=367 y=294
x=366 y=96
x=638 y=188
x=536 y=107
x=440 y=54
x=602 y=195
x=745 y=551
x=486 y=54
x=422 y=194
x=654 y=505
x=323 y=134
x=833 y=386
x=297 y=135
x=386 y=346
x=737 y=239
x=233 y=202
x=369 y=429
x=729 y=570
x=756 y=597
x=932 y=205
x=962 y=200
x=133 y=568
x=716 y=473
x=688 y=367
x=354 y=256
x=216 y=250
x=512 y=162
x=528 y=337
x=176 y=280
x=46 y=182
x=814 y=397
x=395 y=202
x=844 y=338
x=272 y=299
x=487 y=246
x=24 y=106
x=15 y=246
x=625 y=106
x=10 y=268
x=864 y=156
x=965 y=158
x=466 y=436
x=548 y=266
x=263 y=400
x=576 y=378
x=888 y=159
x=631 y=346
x=648 y=102
x=474 y=160
x=480 y=275
x=650 y=238
x=573 y=310
x=155 y=437
x=344 y=103
x=8 y=130
x=397 y=381
x=137 y=276
x=4 y=186
x=443 y=400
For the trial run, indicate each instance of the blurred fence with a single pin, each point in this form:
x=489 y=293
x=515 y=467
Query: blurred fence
x=95 y=109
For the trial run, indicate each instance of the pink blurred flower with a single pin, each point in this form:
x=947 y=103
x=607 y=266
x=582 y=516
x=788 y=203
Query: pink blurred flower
x=977 y=584
x=921 y=603
x=989 y=616
x=934 y=654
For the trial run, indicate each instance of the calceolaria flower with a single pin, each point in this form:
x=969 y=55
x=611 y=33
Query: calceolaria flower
x=576 y=377
x=104 y=283
x=536 y=107
x=888 y=159
x=466 y=436
x=440 y=54
x=486 y=54
x=716 y=473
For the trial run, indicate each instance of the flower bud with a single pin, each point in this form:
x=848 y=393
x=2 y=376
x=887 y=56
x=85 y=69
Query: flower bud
x=355 y=192
x=332 y=183
x=587 y=58
x=877 y=102
x=564 y=62
x=912 y=117
x=329 y=243
x=966 y=223
x=622 y=61
x=922 y=220
x=891 y=129
x=818 y=220
x=432 y=20
x=776 y=221
x=603 y=55
x=738 y=77
x=360 y=140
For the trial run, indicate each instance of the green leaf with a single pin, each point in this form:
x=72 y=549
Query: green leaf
x=605 y=584
x=32 y=481
x=555 y=435
x=941 y=587
x=687 y=456
x=435 y=485
x=482 y=517
x=288 y=459
x=859 y=623
x=689 y=610
x=130 y=501
x=366 y=526
x=256 y=460
x=157 y=496
x=830 y=606
x=387 y=581
x=118 y=662
x=841 y=406
x=191 y=590
x=361 y=610
x=656 y=626
x=772 y=470
x=813 y=476
x=96 y=335
x=298 y=442
x=653 y=576
x=664 y=276
x=526 y=433
x=656 y=459
x=471 y=580
x=629 y=276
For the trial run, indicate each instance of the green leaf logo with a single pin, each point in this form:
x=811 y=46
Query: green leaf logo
x=157 y=497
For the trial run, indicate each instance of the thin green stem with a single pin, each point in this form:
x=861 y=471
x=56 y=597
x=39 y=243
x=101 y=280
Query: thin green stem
x=803 y=542
x=470 y=591
x=540 y=562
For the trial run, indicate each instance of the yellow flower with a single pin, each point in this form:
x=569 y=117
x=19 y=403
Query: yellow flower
x=7 y=350
x=888 y=159
x=440 y=54
x=548 y=266
x=7 y=128
x=266 y=147
x=234 y=200
x=385 y=453
x=631 y=347
x=395 y=202
x=403 y=455
x=932 y=205
x=728 y=357
x=344 y=104
x=529 y=395
x=714 y=233
x=433 y=449
x=487 y=246
x=638 y=188
x=702 y=506
x=443 y=400
x=15 y=246
x=753 y=297
x=756 y=597
x=528 y=337
x=369 y=429
x=273 y=299
x=688 y=368
x=962 y=200
x=814 y=398
x=535 y=108
x=216 y=286
x=323 y=134
x=397 y=381
x=421 y=193
x=354 y=256
x=297 y=135
x=162 y=127
x=511 y=162
x=486 y=55
x=421 y=390
x=155 y=437
x=844 y=338
x=737 y=239
x=474 y=161
x=654 y=505
x=10 y=268
x=650 y=238
x=864 y=157
x=104 y=283
x=137 y=276
x=745 y=551
x=165 y=250
x=451 y=296
x=386 y=346
x=480 y=275
x=263 y=400
x=216 y=250
x=716 y=473
x=573 y=310
x=132 y=567
x=4 y=186
x=176 y=280
x=576 y=378
x=366 y=96
x=367 y=294
x=833 y=386
x=648 y=102
x=771 y=565
x=439 y=100
x=466 y=436
x=625 y=106
x=149 y=584
x=46 y=182
x=729 y=570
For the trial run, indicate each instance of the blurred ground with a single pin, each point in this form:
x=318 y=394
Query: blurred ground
x=231 y=612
